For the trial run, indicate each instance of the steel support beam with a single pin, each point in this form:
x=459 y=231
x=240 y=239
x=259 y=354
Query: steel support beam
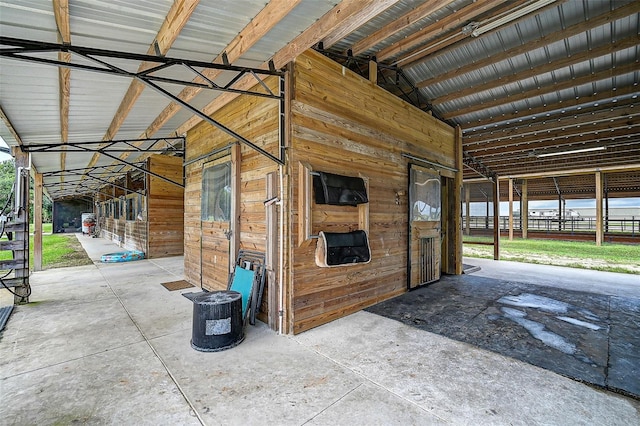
x=24 y=49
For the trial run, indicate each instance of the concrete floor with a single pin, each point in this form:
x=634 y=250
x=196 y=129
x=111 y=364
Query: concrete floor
x=590 y=337
x=107 y=344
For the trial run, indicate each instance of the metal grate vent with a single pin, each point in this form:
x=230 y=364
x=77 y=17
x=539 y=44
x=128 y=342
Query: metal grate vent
x=429 y=264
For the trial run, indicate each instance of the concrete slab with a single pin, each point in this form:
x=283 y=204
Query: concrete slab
x=268 y=379
x=566 y=331
x=609 y=283
x=98 y=347
x=460 y=383
x=119 y=386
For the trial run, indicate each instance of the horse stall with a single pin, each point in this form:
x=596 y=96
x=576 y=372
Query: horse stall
x=144 y=212
x=365 y=207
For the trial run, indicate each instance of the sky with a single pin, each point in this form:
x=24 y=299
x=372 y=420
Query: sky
x=3 y=156
x=480 y=209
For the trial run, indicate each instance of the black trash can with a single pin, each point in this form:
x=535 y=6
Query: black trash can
x=217 y=321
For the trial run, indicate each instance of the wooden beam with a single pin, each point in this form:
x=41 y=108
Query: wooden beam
x=467 y=198
x=565 y=105
x=453 y=21
x=553 y=87
x=373 y=72
x=610 y=114
x=579 y=28
x=176 y=19
x=496 y=219
x=21 y=234
x=358 y=19
x=37 y=222
x=457 y=39
x=308 y=38
x=457 y=204
x=599 y=221
x=61 y=14
x=9 y=125
x=583 y=136
x=568 y=172
x=409 y=18
x=262 y=23
x=523 y=74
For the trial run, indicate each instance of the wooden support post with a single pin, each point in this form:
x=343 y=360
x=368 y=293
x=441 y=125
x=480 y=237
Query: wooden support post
x=496 y=219
x=605 y=189
x=599 y=227
x=524 y=210
x=373 y=72
x=21 y=234
x=37 y=223
x=510 y=209
x=467 y=197
x=456 y=204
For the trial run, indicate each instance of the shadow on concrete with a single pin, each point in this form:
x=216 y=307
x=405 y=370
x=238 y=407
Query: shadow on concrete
x=593 y=338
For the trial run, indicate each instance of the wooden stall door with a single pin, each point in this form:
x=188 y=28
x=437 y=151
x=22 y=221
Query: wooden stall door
x=425 y=212
x=217 y=228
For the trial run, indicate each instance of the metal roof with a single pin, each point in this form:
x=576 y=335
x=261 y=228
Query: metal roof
x=561 y=78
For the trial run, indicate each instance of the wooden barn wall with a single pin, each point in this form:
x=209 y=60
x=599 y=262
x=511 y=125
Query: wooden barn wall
x=165 y=207
x=256 y=119
x=344 y=124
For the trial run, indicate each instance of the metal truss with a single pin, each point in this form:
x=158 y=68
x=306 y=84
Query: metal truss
x=27 y=50
x=87 y=180
x=477 y=166
x=112 y=146
x=156 y=145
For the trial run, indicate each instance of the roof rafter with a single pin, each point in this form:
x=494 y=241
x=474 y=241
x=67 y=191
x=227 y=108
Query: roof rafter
x=455 y=20
x=262 y=23
x=551 y=87
x=519 y=75
x=456 y=39
x=622 y=110
x=330 y=21
x=61 y=14
x=573 y=30
x=373 y=9
x=176 y=19
x=409 y=18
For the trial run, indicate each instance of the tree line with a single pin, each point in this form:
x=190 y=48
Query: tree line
x=7 y=181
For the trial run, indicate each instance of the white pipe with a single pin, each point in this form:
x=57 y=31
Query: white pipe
x=18 y=192
x=281 y=252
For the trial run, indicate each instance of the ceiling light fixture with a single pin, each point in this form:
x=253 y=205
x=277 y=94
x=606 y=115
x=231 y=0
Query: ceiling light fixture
x=477 y=29
x=575 y=151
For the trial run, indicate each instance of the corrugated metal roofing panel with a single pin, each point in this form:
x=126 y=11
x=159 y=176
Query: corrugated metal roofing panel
x=38 y=105
x=31 y=19
x=212 y=26
x=290 y=27
x=392 y=13
x=116 y=24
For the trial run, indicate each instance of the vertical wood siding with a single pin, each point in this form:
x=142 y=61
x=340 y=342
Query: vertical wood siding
x=165 y=208
x=347 y=125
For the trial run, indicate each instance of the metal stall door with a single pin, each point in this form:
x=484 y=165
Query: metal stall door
x=425 y=212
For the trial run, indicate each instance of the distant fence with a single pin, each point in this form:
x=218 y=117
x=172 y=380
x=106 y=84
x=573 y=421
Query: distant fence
x=587 y=224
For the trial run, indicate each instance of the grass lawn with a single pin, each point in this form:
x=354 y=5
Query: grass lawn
x=608 y=257
x=58 y=250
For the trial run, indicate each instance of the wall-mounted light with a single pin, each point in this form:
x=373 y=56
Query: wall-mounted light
x=574 y=151
x=477 y=29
